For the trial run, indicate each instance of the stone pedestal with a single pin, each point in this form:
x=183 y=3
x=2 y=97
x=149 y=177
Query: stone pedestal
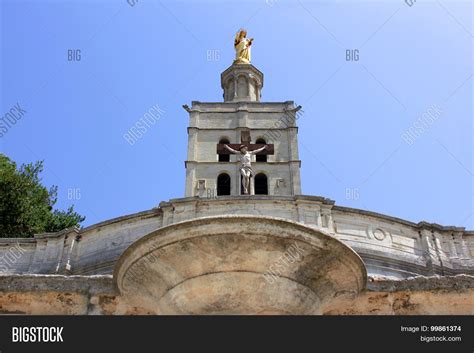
x=242 y=83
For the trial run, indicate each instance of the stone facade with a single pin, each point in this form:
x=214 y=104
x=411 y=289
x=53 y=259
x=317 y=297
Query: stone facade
x=389 y=246
x=279 y=253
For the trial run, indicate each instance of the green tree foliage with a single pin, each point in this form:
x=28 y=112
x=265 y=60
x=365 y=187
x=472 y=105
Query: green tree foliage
x=26 y=206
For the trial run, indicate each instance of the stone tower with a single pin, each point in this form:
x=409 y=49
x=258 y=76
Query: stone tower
x=209 y=173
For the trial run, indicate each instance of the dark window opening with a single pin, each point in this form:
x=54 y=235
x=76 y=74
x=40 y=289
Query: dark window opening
x=261 y=157
x=223 y=184
x=224 y=157
x=261 y=184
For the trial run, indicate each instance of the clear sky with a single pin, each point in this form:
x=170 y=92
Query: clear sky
x=413 y=73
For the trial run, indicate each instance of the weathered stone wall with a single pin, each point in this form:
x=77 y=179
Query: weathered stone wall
x=438 y=295
x=96 y=295
x=389 y=246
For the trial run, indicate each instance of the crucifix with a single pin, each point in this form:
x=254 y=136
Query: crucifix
x=245 y=150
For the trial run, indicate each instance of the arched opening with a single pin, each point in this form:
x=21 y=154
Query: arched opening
x=261 y=157
x=224 y=157
x=223 y=184
x=261 y=184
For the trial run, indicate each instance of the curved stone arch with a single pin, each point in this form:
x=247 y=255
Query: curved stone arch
x=223 y=157
x=257 y=81
x=261 y=171
x=265 y=173
x=224 y=171
x=229 y=175
x=225 y=137
x=265 y=138
x=240 y=265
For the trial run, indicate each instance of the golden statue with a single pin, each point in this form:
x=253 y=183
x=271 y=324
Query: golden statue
x=242 y=47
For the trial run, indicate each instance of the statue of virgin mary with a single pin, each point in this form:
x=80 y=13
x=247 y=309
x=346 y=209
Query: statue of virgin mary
x=242 y=47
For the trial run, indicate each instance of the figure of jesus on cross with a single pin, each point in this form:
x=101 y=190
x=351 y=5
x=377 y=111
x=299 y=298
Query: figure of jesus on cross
x=245 y=165
x=245 y=150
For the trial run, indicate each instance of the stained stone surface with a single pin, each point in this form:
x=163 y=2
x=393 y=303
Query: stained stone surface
x=97 y=295
x=220 y=265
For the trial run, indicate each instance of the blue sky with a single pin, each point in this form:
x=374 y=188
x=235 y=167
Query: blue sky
x=412 y=61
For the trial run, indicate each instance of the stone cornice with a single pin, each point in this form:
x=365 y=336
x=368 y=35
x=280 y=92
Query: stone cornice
x=103 y=284
x=240 y=198
x=421 y=283
x=144 y=214
x=98 y=284
x=242 y=127
x=420 y=225
x=40 y=236
x=233 y=107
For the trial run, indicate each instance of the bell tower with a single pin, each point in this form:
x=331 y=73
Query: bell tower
x=242 y=119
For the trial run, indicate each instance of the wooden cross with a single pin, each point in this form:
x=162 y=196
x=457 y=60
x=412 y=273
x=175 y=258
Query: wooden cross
x=245 y=140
